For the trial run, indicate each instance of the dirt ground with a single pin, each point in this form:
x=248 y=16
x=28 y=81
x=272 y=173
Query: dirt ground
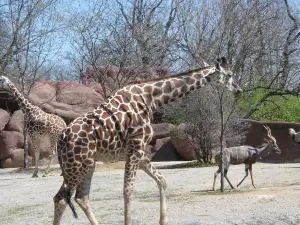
x=276 y=200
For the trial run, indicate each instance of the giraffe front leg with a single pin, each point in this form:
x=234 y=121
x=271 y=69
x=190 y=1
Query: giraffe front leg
x=54 y=151
x=82 y=196
x=36 y=161
x=131 y=166
x=146 y=165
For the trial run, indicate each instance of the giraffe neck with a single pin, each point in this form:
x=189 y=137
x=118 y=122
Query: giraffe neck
x=23 y=103
x=161 y=92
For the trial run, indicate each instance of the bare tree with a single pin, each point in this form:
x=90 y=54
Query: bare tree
x=26 y=30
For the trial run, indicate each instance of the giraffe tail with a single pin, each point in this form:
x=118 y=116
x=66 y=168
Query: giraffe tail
x=68 y=195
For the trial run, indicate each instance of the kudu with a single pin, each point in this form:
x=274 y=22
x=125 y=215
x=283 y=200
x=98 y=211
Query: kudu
x=247 y=155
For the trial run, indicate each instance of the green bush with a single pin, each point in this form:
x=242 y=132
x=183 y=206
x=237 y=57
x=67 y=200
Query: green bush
x=275 y=108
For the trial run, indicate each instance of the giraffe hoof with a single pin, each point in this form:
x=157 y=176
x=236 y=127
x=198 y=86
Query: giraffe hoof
x=163 y=221
x=34 y=176
x=45 y=175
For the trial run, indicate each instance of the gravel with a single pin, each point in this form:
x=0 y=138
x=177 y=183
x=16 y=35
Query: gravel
x=276 y=200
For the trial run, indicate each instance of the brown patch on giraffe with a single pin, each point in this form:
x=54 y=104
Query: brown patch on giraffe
x=109 y=124
x=168 y=87
x=157 y=92
x=124 y=107
x=148 y=89
x=189 y=80
x=105 y=115
x=77 y=150
x=198 y=76
x=104 y=143
x=184 y=88
x=77 y=157
x=180 y=95
x=175 y=93
x=135 y=89
x=92 y=145
x=192 y=88
x=166 y=99
x=159 y=84
x=147 y=130
x=82 y=134
x=178 y=83
x=119 y=116
x=173 y=100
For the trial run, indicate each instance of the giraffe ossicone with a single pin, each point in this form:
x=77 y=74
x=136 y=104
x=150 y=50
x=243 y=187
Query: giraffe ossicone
x=121 y=128
x=38 y=123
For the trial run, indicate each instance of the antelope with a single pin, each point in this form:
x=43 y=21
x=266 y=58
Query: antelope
x=247 y=155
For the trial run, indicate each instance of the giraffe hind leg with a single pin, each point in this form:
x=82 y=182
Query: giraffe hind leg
x=36 y=163
x=146 y=165
x=54 y=147
x=82 y=196
x=61 y=199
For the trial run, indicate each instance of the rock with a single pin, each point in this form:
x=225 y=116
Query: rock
x=164 y=150
x=182 y=142
x=16 y=122
x=10 y=140
x=161 y=130
x=4 y=118
x=16 y=159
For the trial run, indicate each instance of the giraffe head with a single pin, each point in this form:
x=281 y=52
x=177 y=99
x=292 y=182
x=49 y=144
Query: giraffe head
x=224 y=78
x=5 y=85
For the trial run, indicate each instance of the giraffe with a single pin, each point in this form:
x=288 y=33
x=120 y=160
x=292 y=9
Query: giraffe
x=38 y=122
x=119 y=129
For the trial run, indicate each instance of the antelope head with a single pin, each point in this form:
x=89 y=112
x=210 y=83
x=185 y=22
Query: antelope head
x=271 y=141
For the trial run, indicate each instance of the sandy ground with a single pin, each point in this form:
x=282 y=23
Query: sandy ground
x=276 y=200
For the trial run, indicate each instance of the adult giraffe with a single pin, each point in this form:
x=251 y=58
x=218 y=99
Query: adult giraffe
x=121 y=128
x=38 y=122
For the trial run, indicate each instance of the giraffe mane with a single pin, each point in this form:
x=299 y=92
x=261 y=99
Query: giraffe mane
x=168 y=77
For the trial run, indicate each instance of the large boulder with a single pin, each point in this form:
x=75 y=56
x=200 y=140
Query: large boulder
x=164 y=150
x=10 y=140
x=16 y=122
x=182 y=142
x=161 y=130
x=4 y=118
x=16 y=159
x=67 y=99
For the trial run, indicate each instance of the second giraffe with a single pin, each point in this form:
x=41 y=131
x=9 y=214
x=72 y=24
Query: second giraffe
x=38 y=122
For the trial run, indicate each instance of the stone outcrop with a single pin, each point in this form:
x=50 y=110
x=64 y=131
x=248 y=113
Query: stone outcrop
x=182 y=142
